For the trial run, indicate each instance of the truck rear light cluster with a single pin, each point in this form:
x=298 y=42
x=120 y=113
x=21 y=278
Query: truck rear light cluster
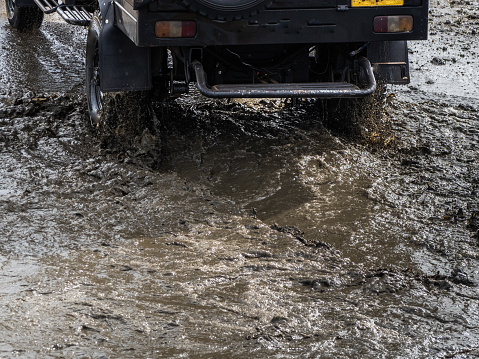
x=175 y=29
x=387 y=24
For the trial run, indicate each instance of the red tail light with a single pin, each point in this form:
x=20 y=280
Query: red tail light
x=175 y=29
x=391 y=24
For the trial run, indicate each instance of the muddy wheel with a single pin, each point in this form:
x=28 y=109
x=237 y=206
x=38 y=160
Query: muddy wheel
x=124 y=119
x=226 y=9
x=94 y=96
x=23 y=18
x=108 y=108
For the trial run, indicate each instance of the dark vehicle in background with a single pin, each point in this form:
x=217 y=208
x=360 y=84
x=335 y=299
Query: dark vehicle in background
x=238 y=48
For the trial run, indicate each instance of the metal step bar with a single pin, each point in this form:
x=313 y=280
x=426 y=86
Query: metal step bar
x=288 y=90
x=72 y=14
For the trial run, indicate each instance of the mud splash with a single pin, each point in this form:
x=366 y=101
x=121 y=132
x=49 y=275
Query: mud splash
x=259 y=234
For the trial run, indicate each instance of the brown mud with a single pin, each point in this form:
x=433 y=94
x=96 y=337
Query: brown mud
x=241 y=229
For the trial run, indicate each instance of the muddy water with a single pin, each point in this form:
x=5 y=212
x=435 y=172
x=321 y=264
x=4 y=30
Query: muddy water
x=247 y=229
x=49 y=60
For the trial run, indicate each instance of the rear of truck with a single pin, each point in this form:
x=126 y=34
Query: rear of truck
x=254 y=48
x=242 y=48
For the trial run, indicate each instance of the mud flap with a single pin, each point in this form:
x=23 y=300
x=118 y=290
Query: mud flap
x=123 y=65
x=389 y=60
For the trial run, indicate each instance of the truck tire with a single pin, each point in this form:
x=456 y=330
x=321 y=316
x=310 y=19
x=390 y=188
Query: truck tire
x=103 y=108
x=94 y=96
x=226 y=9
x=23 y=18
x=122 y=117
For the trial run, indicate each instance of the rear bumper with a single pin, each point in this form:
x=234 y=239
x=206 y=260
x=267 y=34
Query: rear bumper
x=285 y=26
x=292 y=90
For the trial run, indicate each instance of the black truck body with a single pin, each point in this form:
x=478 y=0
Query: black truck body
x=243 y=48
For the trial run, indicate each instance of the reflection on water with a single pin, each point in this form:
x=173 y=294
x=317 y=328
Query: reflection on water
x=259 y=235
x=378 y=208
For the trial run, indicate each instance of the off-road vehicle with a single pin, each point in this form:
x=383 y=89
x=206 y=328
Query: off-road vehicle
x=238 y=48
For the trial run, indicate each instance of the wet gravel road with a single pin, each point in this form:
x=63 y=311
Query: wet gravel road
x=245 y=229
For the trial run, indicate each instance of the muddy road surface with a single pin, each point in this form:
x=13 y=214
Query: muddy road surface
x=242 y=229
